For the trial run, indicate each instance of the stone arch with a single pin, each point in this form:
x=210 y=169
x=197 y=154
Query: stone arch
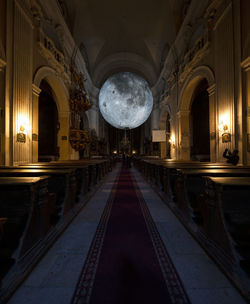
x=185 y=102
x=60 y=91
x=120 y=62
x=163 y=116
x=61 y=97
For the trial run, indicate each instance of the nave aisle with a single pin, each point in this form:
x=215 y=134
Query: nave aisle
x=55 y=278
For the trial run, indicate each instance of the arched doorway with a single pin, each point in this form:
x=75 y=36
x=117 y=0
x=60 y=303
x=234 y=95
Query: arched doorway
x=199 y=124
x=197 y=91
x=60 y=95
x=48 y=125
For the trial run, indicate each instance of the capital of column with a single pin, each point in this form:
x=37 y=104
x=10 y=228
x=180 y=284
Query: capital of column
x=2 y=65
x=35 y=90
x=245 y=64
x=211 y=89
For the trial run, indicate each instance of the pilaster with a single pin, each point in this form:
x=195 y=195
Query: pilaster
x=212 y=122
x=35 y=121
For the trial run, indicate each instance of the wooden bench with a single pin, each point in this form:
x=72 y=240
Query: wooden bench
x=62 y=183
x=190 y=185
x=226 y=232
x=24 y=202
x=81 y=174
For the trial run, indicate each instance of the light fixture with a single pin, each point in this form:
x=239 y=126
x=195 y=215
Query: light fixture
x=172 y=141
x=115 y=151
x=21 y=136
x=23 y=127
x=134 y=152
x=224 y=128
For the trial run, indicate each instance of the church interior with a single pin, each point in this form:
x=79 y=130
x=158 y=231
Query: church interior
x=124 y=151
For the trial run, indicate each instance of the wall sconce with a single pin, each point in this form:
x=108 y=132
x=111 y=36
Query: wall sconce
x=21 y=136
x=226 y=136
x=23 y=127
x=224 y=129
x=172 y=141
x=134 y=152
x=115 y=152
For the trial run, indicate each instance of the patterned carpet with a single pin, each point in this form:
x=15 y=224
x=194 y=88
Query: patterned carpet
x=127 y=262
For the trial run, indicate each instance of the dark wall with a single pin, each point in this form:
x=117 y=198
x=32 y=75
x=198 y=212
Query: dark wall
x=200 y=145
x=48 y=126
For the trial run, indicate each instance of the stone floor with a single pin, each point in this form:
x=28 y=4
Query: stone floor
x=55 y=277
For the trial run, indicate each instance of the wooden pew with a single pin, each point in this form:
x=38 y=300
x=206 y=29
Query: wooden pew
x=62 y=183
x=220 y=218
x=190 y=185
x=60 y=179
x=97 y=168
x=24 y=202
x=169 y=173
x=226 y=231
x=81 y=174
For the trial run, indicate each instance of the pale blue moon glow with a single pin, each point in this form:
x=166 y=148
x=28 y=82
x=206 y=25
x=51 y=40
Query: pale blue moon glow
x=125 y=100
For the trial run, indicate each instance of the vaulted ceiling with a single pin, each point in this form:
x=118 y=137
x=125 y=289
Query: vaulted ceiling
x=131 y=35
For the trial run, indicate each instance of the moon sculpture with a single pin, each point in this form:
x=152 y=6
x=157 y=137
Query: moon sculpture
x=125 y=100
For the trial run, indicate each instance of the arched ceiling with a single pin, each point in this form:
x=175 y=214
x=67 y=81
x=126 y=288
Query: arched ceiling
x=143 y=29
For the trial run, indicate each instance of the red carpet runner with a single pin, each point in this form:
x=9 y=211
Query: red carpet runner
x=127 y=262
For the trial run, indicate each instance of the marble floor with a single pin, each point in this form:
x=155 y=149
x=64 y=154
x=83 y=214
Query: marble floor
x=55 y=277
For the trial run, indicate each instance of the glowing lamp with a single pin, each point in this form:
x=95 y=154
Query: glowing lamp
x=224 y=128
x=172 y=141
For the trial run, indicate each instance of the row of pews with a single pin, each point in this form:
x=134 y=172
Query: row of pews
x=213 y=202
x=37 y=202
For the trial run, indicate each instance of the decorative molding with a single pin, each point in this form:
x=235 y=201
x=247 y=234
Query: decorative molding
x=48 y=50
x=245 y=64
x=216 y=11
x=58 y=86
x=199 y=73
x=2 y=64
x=211 y=90
x=194 y=55
x=36 y=90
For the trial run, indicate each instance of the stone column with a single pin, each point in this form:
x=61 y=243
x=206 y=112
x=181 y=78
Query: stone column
x=63 y=137
x=35 y=122
x=246 y=122
x=212 y=122
x=2 y=120
x=163 y=147
x=155 y=119
x=184 y=135
x=94 y=118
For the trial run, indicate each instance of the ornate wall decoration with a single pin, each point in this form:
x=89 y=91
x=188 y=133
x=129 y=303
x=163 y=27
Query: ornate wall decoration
x=194 y=55
x=53 y=55
x=79 y=139
x=79 y=103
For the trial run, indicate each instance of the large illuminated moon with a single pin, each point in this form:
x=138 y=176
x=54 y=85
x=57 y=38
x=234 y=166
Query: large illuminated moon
x=125 y=100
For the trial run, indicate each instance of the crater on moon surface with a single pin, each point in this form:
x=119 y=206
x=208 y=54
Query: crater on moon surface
x=125 y=100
